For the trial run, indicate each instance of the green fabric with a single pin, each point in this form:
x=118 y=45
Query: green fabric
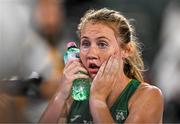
x=80 y=112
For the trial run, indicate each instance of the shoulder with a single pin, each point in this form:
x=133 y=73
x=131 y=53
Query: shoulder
x=149 y=90
x=148 y=94
x=146 y=88
x=146 y=105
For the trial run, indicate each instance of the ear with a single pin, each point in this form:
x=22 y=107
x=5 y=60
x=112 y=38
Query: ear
x=128 y=50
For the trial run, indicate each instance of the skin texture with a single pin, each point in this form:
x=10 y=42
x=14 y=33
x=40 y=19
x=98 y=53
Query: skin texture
x=97 y=45
x=100 y=46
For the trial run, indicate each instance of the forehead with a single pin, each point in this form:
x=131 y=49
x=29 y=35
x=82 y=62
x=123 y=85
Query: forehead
x=96 y=29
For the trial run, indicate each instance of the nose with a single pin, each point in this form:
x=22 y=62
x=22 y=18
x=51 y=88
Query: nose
x=92 y=53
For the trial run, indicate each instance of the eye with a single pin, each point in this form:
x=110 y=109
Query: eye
x=85 y=44
x=102 y=44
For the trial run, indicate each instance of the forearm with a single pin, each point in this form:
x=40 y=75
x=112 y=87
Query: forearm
x=100 y=112
x=55 y=110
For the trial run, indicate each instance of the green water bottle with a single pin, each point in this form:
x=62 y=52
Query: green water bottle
x=81 y=87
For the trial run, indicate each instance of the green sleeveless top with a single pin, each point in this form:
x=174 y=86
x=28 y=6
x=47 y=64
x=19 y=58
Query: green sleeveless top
x=80 y=112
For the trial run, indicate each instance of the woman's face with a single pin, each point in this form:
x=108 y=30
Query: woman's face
x=97 y=44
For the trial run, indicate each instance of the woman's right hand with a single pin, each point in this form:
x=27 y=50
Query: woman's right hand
x=70 y=73
x=59 y=106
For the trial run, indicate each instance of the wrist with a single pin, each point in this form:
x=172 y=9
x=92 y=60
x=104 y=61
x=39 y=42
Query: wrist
x=96 y=101
x=61 y=96
x=97 y=97
x=63 y=93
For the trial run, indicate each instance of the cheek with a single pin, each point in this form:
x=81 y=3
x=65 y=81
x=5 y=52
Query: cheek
x=106 y=54
x=118 y=52
x=121 y=58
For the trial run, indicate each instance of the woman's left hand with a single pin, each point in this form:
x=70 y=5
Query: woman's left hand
x=105 y=79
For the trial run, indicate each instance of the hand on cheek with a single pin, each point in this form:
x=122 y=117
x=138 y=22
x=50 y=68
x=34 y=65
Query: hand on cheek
x=106 y=77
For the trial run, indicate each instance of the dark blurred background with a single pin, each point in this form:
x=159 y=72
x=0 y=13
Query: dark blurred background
x=26 y=64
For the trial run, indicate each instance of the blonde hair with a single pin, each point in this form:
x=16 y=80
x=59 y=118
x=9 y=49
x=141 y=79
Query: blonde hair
x=133 y=65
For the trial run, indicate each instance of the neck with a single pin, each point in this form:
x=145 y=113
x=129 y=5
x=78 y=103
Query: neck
x=119 y=86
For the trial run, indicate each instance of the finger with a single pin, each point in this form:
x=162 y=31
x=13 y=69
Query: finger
x=80 y=75
x=101 y=70
x=77 y=69
x=72 y=65
x=70 y=62
x=115 y=68
x=111 y=69
x=72 y=69
x=108 y=66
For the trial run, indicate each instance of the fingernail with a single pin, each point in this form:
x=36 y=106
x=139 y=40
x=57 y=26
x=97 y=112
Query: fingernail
x=116 y=60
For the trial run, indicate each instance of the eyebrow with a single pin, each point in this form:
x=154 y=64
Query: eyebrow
x=96 y=38
x=84 y=37
x=103 y=37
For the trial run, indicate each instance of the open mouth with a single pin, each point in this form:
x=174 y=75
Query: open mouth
x=93 y=68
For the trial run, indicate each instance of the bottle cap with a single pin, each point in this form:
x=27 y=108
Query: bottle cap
x=70 y=44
